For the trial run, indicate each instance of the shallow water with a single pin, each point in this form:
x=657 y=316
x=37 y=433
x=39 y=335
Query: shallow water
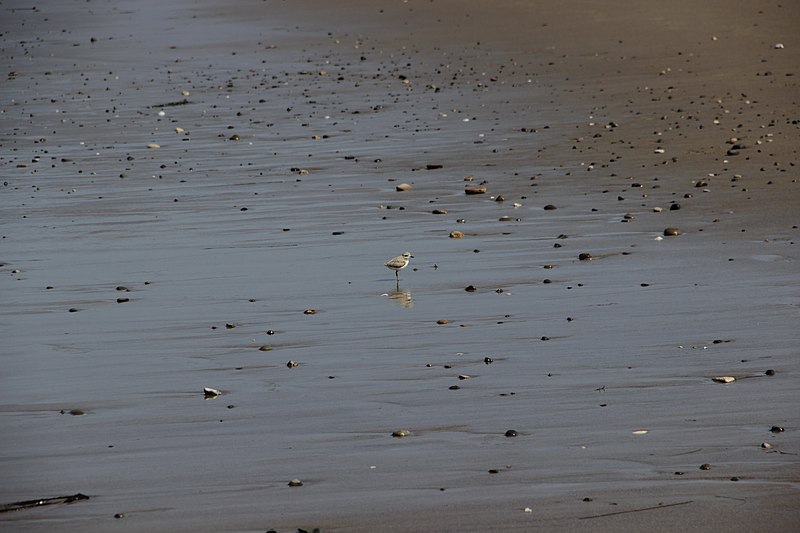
x=579 y=363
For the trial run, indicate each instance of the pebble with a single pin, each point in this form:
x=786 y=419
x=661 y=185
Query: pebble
x=511 y=433
x=705 y=466
x=442 y=321
x=153 y=146
x=641 y=432
x=769 y=372
x=235 y=137
x=488 y=360
x=724 y=379
x=657 y=209
x=480 y=189
x=404 y=187
x=549 y=207
x=470 y=288
x=310 y=312
x=463 y=376
x=295 y=483
x=433 y=166
x=585 y=256
x=505 y=218
x=208 y=392
x=439 y=212
x=73 y=412
x=291 y=363
x=401 y=433
x=776 y=429
x=265 y=348
x=674 y=207
x=671 y=232
x=454 y=387
x=119 y=515
x=766 y=445
x=455 y=234
x=123 y=300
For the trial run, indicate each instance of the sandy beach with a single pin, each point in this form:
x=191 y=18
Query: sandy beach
x=202 y=194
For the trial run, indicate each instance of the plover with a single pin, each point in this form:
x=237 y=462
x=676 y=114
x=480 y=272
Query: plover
x=399 y=263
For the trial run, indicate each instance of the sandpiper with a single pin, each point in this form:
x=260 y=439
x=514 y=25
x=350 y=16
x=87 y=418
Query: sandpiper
x=399 y=263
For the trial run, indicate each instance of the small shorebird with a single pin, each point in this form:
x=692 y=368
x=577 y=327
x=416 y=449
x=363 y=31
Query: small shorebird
x=399 y=263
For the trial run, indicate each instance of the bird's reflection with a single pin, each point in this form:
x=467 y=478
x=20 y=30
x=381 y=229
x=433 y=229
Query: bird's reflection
x=401 y=296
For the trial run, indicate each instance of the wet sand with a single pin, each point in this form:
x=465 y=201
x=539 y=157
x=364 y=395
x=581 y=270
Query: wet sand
x=277 y=195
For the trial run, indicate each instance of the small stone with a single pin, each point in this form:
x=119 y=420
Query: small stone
x=295 y=483
x=766 y=445
x=549 y=207
x=439 y=212
x=74 y=412
x=657 y=209
x=500 y=198
x=123 y=300
x=505 y=218
x=310 y=312
x=208 y=392
x=442 y=321
x=770 y=372
x=488 y=360
x=404 y=187
x=455 y=234
x=291 y=363
x=671 y=232
x=399 y=433
x=724 y=379
x=585 y=256
x=480 y=189
x=705 y=466
x=235 y=137
x=470 y=288
x=433 y=166
x=153 y=146
x=454 y=387
x=463 y=377
x=674 y=207
x=776 y=429
x=265 y=348
x=230 y=326
x=494 y=471
x=122 y=288
x=511 y=433
x=119 y=515
x=72 y=310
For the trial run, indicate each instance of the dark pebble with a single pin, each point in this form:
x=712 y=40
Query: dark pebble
x=549 y=207
x=585 y=256
x=776 y=429
x=73 y=310
x=123 y=288
x=588 y=500
x=494 y=471
x=672 y=232
x=119 y=515
x=511 y=433
x=674 y=207
x=705 y=466
x=270 y=332
x=770 y=372
x=123 y=300
x=454 y=387
x=734 y=478
x=471 y=288
x=547 y=280
x=488 y=360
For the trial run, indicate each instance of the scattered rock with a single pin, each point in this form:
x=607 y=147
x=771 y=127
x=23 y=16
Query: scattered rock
x=671 y=232
x=295 y=483
x=455 y=234
x=439 y=212
x=442 y=321
x=776 y=429
x=724 y=379
x=585 y=256
x=265 y=348
x=399 y=433
x=310 y=312
x=511 y=433
x=208 y=392
x=470 y=288
x=153 y=146
x=480 y=189
x=404 y=187
x=291 y=363
x=705 y=466
x=549 y=207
